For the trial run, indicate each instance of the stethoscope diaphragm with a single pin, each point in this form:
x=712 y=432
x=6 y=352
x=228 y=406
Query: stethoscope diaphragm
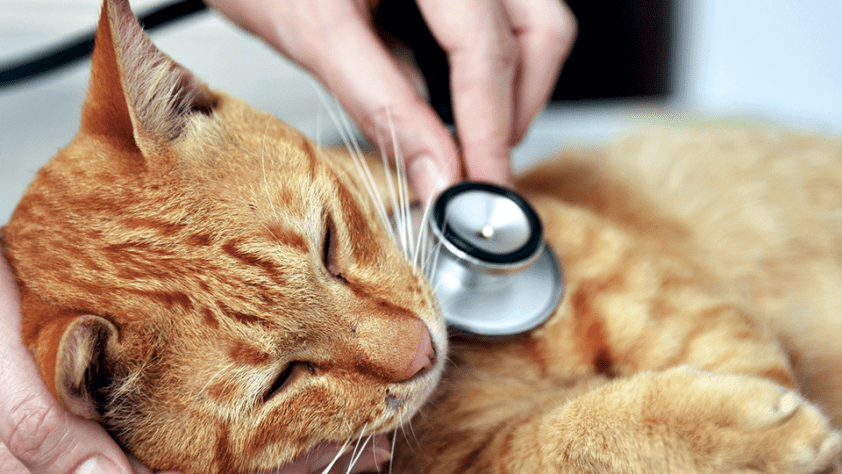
x=494 y=275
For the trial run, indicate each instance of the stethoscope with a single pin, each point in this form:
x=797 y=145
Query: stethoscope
x=493 y=273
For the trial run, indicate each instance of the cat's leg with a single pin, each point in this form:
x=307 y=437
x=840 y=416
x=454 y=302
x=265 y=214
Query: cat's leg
x=681 y=420
x=685 y=420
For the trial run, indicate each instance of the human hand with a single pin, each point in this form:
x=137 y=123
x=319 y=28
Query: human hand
x=36 y=435
x=504 y=58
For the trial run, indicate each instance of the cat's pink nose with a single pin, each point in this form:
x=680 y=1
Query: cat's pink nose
x=424 y=357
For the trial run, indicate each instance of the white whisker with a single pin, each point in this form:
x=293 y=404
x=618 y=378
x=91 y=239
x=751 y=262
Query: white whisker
x=365 y=168
x=434 y=257
x=403 y=189
x=374 y=456
x=356 y=455
x=392 y=193
x=208 y=383
x=405 y=438
x=422 y=414
x=345 y=132
x=336 y=458
x=392 y=457
x=412 y=430
x=269 y=230
x=421 y=248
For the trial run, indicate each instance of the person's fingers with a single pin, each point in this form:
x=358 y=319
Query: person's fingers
x=545 y=31
x=10 y=464
x=33 y=427
x=371 y=86
x=484 y=57
x=335 y=40
x=139 y=468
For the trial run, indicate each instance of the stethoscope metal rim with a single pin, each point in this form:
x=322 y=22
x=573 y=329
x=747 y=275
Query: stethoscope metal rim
x=529 y=299
x=466 y=249
x=504 y=295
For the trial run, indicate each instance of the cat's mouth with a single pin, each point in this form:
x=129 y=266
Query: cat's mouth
x=357 y=456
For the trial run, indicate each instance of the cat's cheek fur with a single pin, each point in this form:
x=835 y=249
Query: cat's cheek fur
x=170 y=268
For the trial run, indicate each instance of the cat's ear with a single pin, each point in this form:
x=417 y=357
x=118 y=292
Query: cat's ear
x=84 y=365
x=137 y=95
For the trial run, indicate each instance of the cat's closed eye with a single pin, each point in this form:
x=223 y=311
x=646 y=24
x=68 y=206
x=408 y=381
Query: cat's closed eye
x=281 y=381
x=329 y=251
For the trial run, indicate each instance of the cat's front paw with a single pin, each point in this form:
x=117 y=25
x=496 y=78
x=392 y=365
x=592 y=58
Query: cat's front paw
x=754 y=425
x=689 y=421
x=791 y=434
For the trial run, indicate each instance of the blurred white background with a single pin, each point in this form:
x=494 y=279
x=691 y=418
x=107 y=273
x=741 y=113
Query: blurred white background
x=773 y=61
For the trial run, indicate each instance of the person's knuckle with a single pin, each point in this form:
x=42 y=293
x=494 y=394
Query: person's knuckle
x=507 y=53
x=36 y=428
x=488 y=44
x=557 y=32
x=566 y=28
x=388 y=117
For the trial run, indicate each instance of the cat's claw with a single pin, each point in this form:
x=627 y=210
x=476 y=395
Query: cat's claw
x=788 y=404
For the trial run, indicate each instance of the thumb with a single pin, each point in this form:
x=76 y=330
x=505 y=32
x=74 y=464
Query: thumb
x=33 y=426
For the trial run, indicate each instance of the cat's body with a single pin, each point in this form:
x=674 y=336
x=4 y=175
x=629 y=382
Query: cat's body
x=220 y=294
x=703 y=274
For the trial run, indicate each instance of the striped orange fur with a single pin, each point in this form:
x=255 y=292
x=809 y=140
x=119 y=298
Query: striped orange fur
x=222 y=296
x=700 y=327
x=191 y=266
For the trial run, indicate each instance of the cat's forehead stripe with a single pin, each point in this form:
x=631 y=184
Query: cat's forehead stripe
x=242 y=317
x=359 y=228
x=289 y=238
x=243 y=353
x=270 y=268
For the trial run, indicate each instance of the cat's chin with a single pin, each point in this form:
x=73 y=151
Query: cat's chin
x=351 y=457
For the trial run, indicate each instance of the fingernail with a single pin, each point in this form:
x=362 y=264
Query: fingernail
x=97 y=465
x=426 y=177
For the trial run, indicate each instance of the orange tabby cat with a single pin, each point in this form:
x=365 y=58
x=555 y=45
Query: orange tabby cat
x=191 y=266
x=222 y=296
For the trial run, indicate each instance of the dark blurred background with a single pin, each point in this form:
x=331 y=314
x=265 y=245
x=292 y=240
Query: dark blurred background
x=622 y=50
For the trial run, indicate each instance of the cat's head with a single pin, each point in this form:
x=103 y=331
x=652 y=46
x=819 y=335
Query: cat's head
x=207 y=283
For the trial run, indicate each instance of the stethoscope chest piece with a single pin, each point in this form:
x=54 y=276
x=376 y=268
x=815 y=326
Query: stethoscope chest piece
x=494 y=275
